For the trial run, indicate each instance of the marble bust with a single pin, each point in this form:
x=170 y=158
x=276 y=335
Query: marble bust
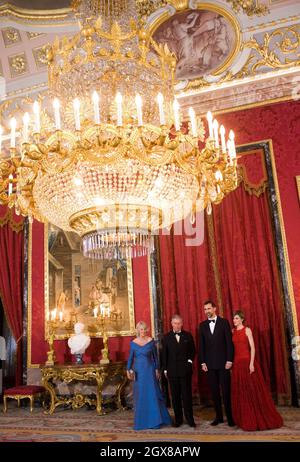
x=79 y=342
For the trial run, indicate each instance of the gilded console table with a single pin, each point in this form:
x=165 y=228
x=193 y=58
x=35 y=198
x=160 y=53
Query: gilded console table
x=98 y=373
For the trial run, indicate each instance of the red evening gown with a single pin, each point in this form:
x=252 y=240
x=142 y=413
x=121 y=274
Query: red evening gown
x=252 y=405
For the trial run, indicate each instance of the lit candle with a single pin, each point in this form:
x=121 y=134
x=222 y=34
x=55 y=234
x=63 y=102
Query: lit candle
x=210 y=124
x=53 y=314
x=233 y=151
x=119 y=109
x=37 y=120
x=56 y=106
x=95 y=99
x=10 y=184
x=1 y=133
x=138 y=102
x=60 y=316
x=176 y=115
x=26 y=119
x=218 y=175
x=95 y=311
x=216 y=132
x=193 y=121
x=160 y=101
x=102 y=310
x=13 y=124
x=76 y=107
x=223 y=142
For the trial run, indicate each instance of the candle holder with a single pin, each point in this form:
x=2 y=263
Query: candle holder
x=51 y=357
x=102 y=318
x=53 y=325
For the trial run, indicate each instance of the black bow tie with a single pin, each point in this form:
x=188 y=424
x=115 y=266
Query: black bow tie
x=212 y=320
x=178 y=333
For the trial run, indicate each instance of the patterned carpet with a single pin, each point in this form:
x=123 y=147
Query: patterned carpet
x=84 y=425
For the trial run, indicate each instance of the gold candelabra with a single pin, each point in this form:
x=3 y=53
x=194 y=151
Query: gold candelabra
x=102 y=317
x=53 y=324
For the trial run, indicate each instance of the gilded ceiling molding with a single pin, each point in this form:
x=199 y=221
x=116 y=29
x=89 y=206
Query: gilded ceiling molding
x=249 y=7
x=286 y=41
x=39 y=17
x=270 y=24
x=277 y=50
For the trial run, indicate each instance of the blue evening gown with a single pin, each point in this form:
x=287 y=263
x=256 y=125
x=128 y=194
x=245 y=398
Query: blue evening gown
x=150 y=410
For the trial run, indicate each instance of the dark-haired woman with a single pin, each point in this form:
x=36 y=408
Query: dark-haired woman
x=252 y=405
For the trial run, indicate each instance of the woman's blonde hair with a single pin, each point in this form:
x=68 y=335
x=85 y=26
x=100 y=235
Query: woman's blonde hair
x=141 y=325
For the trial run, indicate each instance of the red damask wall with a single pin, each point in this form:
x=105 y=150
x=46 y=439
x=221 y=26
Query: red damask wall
x=278 y=122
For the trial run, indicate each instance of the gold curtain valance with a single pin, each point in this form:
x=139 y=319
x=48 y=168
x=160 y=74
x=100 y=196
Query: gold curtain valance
x=8 y=216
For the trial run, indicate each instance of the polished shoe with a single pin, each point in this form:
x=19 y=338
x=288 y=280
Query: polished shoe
x=230 y=423
x=176 y=424
x=216 y=422
x=192 y=424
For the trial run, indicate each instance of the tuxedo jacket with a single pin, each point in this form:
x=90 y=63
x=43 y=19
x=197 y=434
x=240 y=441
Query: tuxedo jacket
x=217 y=348
x=175 y=355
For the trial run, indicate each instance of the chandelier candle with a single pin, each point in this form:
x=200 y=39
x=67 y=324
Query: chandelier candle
x=223 y=142
x=210 y=124
x=160 y=101
x=56 y=106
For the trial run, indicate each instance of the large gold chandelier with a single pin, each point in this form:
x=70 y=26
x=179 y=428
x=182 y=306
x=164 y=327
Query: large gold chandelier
x=115 y=163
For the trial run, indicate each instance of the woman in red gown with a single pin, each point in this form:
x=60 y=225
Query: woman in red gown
x=252 y=405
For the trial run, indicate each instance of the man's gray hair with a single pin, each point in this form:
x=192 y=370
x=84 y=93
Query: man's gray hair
x=176 y=316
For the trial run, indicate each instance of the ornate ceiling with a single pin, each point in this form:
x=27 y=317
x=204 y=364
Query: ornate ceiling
x=39 y=5
x=227 y=56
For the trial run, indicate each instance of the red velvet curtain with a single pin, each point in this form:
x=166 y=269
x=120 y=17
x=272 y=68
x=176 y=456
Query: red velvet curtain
x=235 y=266
x=250 y=279
x=11 y=277
x=187 y=280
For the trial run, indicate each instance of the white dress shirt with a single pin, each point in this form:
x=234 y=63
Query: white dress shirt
x=212 y=325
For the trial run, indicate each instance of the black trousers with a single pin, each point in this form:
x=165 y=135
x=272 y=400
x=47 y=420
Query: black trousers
x=220 y=379
x=181 y=393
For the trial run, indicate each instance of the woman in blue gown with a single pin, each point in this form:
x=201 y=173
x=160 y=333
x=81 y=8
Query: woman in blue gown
x=150 y=410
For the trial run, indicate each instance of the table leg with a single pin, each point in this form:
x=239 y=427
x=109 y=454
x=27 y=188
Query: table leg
x=4 y=403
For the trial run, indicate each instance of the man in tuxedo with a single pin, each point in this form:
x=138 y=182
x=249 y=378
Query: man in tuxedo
x=177 y=360
x=216 y=356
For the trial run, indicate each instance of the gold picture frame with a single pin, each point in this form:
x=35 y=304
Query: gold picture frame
x=75 y=286
x=298 y=185
x=166 y=17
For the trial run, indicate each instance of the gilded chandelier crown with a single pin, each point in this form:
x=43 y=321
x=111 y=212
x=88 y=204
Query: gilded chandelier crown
x=115 y=163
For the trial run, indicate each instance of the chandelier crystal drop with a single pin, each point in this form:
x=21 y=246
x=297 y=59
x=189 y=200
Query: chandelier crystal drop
x=115 y=163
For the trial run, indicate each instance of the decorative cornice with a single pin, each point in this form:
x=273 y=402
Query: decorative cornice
x=249 y=7
x=8 y=9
